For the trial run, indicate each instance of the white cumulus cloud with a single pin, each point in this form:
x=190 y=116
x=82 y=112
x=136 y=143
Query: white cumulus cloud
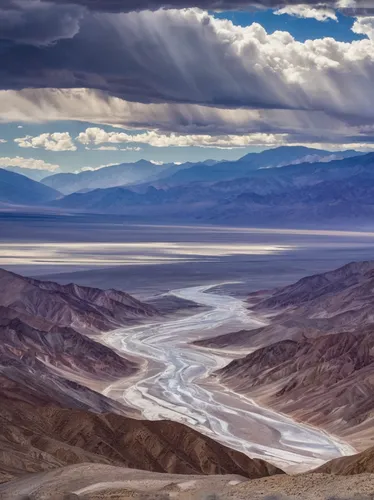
x=307 y=12
x=95 y=135
x=364 y=26
x=33 y=163
x=190 y=57
x=57 y=141
x=106 y=148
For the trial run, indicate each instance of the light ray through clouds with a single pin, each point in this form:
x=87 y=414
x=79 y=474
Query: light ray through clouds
x=184 y=77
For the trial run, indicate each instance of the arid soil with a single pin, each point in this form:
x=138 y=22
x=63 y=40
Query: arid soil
x=94 y=481
x=105 y=482
x=303 y=487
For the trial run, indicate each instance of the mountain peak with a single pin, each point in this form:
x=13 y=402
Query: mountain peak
x=285 y=152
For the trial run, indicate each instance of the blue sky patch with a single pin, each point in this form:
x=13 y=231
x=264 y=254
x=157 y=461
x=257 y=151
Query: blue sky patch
x=301 y=29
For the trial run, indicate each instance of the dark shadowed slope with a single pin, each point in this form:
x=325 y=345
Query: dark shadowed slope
x=59 y=350
x=20 y=190
x=336 y=301
x=325 y=381
x=42 y=437
x=352 y=278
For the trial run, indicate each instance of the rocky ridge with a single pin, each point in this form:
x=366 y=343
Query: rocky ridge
x=50 y=339
x=40 y=436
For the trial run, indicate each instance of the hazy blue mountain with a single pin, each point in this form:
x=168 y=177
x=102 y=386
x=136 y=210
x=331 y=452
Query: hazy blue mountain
x=271 y=158
x=116 y=175
x=32 y=173
x=20 y=190
x=144 y=173
x=338 y=190
x=343 y=201
x=285 y=155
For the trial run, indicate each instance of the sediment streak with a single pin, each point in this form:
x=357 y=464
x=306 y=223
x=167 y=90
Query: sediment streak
x=172 y=387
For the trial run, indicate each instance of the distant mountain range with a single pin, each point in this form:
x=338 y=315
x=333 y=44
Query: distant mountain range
x=35 y=174
x=258 y=189
x=116 y=175
x=167 y=175
x=20 y=190
x=270 y=158
x=336 y=191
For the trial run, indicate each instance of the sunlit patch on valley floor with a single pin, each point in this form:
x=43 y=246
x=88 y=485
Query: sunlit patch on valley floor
x=111 y=254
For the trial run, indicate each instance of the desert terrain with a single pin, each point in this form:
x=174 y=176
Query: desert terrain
x=114 y=375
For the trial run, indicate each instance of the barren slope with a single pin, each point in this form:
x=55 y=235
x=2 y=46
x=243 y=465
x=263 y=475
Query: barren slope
x=37 y=437
x=107 y=482
x=332 y=302
x=315 y=359
x=60 y=362
x=44 y=345
x=327 y=381
x=45 y=304
x=348 y=466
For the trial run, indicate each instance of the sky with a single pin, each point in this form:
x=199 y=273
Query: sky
x=89 y=83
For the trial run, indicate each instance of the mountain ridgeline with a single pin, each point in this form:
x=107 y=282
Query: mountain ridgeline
x=283 y=186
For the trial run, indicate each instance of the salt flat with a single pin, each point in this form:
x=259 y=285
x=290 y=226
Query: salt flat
x=174 y=387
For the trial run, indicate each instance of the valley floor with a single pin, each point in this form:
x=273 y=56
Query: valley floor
x=175 y=386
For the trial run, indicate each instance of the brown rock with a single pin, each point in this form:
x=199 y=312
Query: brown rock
x=347 y=466
x=36 y=438
x=43 y=303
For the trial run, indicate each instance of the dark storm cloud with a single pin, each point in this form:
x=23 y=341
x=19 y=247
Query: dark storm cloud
x=182 y=58
x=135 y=57
x=187 y=56
x=39 y=23
x=351 y=7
